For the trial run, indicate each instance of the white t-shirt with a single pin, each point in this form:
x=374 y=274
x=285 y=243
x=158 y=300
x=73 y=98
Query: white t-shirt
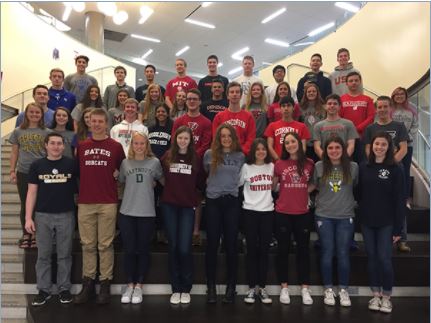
x=246 y=82
x=257 y=181
x=123 y=132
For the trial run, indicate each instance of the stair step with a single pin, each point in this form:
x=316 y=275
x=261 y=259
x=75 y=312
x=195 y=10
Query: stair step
x=14 y=313
x=13 y=300
x=9 y=188
x=11 y=258
x=6 y=320
x=12 y=233
x=12 y=198
x=11 y=249
x=10 y=219
x=11 y=209
x=12 y=267
x=6 y=148
x=9 y=242
x=12 y=278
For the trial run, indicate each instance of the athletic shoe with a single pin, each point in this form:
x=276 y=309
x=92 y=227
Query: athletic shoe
x=284 y=296
x=185 y=298
x=344 y=298
x=375 y=303
x=306 y=296
x=264 y=297
x=175 y=298
x=41 y=298
x=126 y=298
x=250 y=298
x=329 y=297
x=386 y=305
x=137 y=295
x=404 y=247
x=65 y=297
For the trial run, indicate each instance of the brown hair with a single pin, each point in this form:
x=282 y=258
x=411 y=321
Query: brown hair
x=174 y=150
x=249 y=100
x=148 y=152
x=217 y=148
x=26 y=123
x=345 y=160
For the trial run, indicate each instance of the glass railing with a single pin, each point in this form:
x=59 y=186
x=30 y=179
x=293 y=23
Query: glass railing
x=104 y=77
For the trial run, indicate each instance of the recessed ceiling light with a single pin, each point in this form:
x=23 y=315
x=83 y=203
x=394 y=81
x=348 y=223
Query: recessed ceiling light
x=275 y=14
x=321 y=29
x=78 y=6
x=276 y=42
x=199 y=23
x=266 y=63
x=347 y=6
x=120 y=17
x=147 y=53
x=235 y=70
x=206 y=4
x=154 y=40
x=67 y=11
x=140 y=80
x=139 y=61
x=182 y=50
x=304 y=43
x=108 y=8
x=146 y=12
x=237 y=54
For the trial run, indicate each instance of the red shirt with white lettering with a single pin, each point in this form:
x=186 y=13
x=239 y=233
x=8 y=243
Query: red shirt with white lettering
x=179 y=83
x=278 y=129
x=293 y=195
x=98 y=159
x=274 y=112
x=358 y=109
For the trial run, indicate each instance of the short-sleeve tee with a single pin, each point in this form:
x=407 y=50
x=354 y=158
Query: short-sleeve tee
x=185 y=83
x=397 y=130
x=323 y=130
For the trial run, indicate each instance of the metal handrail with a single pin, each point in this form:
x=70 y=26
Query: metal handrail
x=424 y=139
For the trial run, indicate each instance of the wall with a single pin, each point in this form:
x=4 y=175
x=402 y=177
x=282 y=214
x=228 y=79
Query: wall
x=389 y=42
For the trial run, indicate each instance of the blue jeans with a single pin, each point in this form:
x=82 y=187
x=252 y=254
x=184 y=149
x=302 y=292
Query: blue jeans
x=335 y=236
x=406 y=163
x=178 y=222
x=378 y=245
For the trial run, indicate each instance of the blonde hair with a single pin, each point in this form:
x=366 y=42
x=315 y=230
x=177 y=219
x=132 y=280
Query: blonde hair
x=249 y=99
x=26 y=123
x=148 y=152
x=147 y=100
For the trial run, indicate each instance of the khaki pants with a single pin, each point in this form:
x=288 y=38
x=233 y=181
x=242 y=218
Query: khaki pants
x=96 y=224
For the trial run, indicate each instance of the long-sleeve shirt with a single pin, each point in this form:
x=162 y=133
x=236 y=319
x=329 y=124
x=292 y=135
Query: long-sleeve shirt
x=409 y=118
x=359 y=109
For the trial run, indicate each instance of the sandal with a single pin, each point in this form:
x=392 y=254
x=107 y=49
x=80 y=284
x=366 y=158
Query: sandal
x=24 y=242
x=33 y=244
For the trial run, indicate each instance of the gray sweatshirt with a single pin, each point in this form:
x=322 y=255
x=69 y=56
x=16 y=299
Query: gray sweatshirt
x=338 y=79
x=410 y=120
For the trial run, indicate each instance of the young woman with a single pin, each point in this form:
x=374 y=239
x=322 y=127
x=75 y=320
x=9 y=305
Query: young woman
x=181 y=167
x=312 y=111
x=160 y=133
x=147 y=107
x=294 y=172
x=63 y=124
x=334 y=177
x=83 y=130
x=223 y=164
x=274 y=111
x=116 y=114
x=179 y=107
x=257 y=106
x=258 y=206
x=137 y=213
x=91 y=99
x=27 y=146
x=382 y=214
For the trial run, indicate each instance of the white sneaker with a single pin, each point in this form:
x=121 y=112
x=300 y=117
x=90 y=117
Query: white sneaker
x=375 y=303
x=264 y=297
x=284 y=296
x=344 y=298
x=386 y=305
x=137 y=295
x=306 y=296
x=329 y=297
x=185 y=298
x=126 y=298
x=175 y=298
x=250 y=298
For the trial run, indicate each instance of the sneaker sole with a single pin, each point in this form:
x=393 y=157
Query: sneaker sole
x=329 y=304
x=284 y=302
x=249 y=301
x=126 y=301
x=62 y=301
x=377 y=309
x=386 y=311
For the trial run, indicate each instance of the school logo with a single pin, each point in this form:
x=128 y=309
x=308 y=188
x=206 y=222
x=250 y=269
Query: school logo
x=383 y=173
x=55 y=171
x=193 y=125
x=294 y=177
x=335 y=186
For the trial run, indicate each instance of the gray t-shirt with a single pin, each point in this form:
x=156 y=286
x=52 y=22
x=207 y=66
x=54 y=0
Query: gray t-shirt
x=344 y=128
x=78 y=84
x=225 y=179
x=138 y=198
x=259 y=116
x=31 y=146
x=310 y=117
x=68 y=137
x=397 y=130
x=111 y=91
x=335 y=199
x=115 y=116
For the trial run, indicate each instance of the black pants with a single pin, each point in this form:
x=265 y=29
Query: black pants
x=299 y=225
x=222 y=215
x=22 y=184
x=258 y=233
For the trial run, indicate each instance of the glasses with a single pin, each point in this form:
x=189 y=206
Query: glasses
x=192 y=99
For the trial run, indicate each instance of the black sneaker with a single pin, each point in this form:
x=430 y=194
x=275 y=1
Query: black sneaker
x=41 y=298
x=65 y=297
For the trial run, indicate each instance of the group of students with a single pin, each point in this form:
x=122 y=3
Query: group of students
x=286 y=150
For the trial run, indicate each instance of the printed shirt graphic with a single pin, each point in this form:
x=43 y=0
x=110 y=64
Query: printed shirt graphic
x=358 y=109
x=185 y=84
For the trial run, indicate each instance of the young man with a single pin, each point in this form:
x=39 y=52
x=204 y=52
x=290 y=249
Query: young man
x=278 y=72
x=41 y=97
x=51 y=189
x=205 y=84
x=358 y=108
x=338 y=76
x=247 y=78
x=123 y=131
x=241 y=120
x=217 y=102
x=275 y=131
x=99 y=157
x=141 y=91
x=78 y=82
x=180 y=82
x=110 y=95
x=334 y=124
x=58 y=96
x=315 y=76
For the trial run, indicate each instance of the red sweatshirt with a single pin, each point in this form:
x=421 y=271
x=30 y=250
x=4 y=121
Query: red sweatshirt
x=358 y=109
x=179 y=83
x=274 y=112
x=243 y=123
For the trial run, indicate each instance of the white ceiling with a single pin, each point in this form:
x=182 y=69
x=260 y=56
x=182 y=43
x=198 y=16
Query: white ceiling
x=238 y=25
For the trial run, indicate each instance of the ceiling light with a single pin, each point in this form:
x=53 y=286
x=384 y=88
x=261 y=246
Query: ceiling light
x=237 y=54
x=120 y=17
x=139 y=61
x=206 y=4
x=78 y=6
x=61 y=26
x=146 y=12
x=107 y=8
x=154 y=40
x=182 y=50
x=199 y=23
x=304 y=43
x=43 y=12
x=148 y=52
x=235 y=70
x=220 y=64
x=321 y=29
x=276 y=42
x=140 y=80
x=266 y=63
x=347 y=6
x=275 y=14
x=67 y=11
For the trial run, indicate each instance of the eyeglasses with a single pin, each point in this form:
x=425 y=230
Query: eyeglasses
x=192 y=99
